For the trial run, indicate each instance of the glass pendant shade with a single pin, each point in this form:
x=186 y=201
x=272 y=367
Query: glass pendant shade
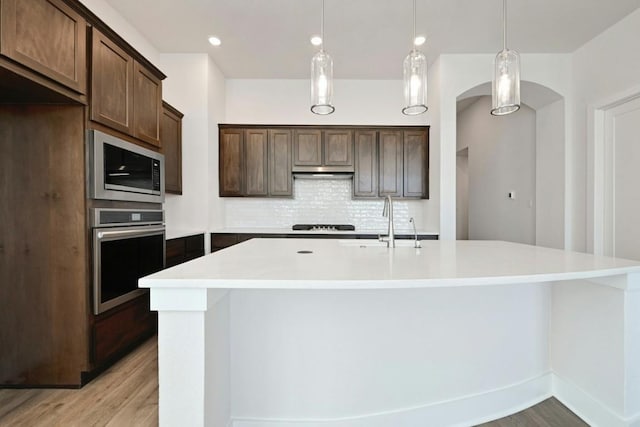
x=506 y=83
x=322 y=83
x=415 y=83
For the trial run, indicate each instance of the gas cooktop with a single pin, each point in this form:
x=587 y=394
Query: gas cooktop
x=324 y=227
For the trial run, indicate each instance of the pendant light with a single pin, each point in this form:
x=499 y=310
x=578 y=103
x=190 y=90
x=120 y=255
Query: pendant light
x=322 y=78
x=506 y=80
x=415 y=77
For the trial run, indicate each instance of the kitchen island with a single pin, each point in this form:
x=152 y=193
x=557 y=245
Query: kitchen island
x=297 y=332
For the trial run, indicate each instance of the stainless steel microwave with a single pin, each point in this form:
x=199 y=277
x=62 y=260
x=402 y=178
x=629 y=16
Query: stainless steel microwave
x=120 y=170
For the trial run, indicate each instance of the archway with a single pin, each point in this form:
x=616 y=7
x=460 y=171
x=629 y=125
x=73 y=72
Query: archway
x=514 y=174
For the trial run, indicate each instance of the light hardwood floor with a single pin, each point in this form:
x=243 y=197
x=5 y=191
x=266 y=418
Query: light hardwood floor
x=127 y=395
x=124 y=395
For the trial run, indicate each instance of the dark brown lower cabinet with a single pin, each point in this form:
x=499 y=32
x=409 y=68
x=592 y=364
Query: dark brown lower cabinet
x=118 y=330
x=183 y=249
x=224 y=240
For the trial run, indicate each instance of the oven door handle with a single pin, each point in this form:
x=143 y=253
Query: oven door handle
x=130 y=233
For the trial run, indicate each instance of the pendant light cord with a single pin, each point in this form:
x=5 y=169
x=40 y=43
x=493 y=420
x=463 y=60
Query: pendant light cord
x=322 y=27
x=504 y=24
x=413 y=42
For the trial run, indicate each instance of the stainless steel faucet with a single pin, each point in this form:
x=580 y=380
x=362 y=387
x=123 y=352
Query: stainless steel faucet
x=388 y=212
x=416 y=243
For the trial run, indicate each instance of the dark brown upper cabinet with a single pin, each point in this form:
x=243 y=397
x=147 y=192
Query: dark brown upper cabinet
x=280 y=161
x=125 y=95
x=147 y=105
x=255 y=157
x=391 y=155
x=404 y=164
x=171 y=147
x=315 y=149
x=259 y=161
x=416 y=164
x=48 y=37
x=255 y=162
x=111 y=84
x=338 y=148
x=231 y=162
x=365 y=180
x=307 y=147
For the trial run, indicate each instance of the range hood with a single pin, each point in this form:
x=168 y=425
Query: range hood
x=323 y=175
x=323 y=172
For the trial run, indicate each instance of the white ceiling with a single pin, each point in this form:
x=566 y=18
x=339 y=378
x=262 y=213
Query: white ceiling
x=368 y=39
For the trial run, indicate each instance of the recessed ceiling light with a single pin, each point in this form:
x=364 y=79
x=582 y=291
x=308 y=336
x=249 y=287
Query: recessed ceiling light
x=419 y=41
x=215 y=41
x=316 y=40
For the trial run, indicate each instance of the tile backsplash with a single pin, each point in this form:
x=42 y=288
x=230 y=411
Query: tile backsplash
x=320 y=202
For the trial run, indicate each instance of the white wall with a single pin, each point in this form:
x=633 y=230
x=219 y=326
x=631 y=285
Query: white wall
x=502 y=152
x=604 y=70
x=130 y=34
x=550 y=159
x=462 y=194
x=217 y=100
x=464 y=72
x=357 y=102
x=188 y=75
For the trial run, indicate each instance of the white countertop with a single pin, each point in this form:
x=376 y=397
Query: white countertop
x=335 y=264
x=249 y=230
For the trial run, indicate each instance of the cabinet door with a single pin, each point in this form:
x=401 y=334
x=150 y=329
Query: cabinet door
x=416 y=164
x=46 y=36
x=391 y=159
x=255 y=152
x=365 y=182
x=231 y=165
x=171 y=147
x=111 y=84
x=307 y=148
x=338 y=148
x=174 y=252
x=147 y=105
x=280 y=158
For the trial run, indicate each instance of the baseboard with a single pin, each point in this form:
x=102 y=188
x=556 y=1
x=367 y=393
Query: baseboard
x=460 y=412
x=591 y=410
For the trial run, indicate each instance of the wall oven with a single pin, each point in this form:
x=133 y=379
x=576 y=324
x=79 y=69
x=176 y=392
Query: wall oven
x=127 y=245
x=120 y=170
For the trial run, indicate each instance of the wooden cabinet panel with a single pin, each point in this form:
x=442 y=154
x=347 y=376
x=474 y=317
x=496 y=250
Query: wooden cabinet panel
x=147 y=105
x=171 y=147
x=183 y=249
x=365 y=182
x=48 y=37
x=194 y=246
x=338 y=148
x=391 y=155
x=119 y=329
x=416 y=164
x=231 y=163
x=280 y=158
x=255 y=150
x=44 y=336
x=307 y=147
x=174 y=252
x=111 y=84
